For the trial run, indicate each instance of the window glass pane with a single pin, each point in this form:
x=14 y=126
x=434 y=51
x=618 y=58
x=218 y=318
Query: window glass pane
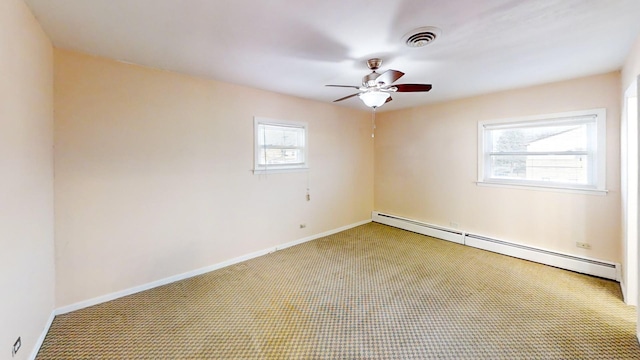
x=551 y=168
x=280 y=156
x=279 y=145
x=285 y=136
x=540 y=139
x=561 y=150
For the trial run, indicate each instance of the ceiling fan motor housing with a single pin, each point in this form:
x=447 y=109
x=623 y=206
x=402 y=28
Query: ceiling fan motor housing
x=370 y=79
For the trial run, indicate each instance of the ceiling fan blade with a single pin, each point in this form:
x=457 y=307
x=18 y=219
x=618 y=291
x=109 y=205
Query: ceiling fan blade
x=389 y=76
x=413 y=87
x=345 y=86
x=346 y=97
x=388 y=99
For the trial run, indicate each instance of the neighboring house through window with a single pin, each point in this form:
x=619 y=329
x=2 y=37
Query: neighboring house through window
x=563 y=151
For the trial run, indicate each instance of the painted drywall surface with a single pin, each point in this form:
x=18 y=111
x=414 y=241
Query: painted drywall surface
x=26 y=184
x=153 y=174
x=629 y=141
x=426 y=168
x=629 y=195
x=630 y=72
x=631 y=68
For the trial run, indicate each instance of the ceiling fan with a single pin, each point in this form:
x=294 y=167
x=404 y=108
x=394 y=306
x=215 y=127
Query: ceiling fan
x=376 y=88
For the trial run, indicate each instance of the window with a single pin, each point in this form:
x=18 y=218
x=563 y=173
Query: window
x=565 y=151
x=279 y=145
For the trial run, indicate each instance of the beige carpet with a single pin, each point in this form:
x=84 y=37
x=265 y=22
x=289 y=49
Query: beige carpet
x=372 y=292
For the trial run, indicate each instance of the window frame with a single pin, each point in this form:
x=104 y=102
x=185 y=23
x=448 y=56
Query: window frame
x=596 y=152
x=259 y=168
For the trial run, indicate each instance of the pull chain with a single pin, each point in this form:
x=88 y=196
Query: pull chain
x=373 y=122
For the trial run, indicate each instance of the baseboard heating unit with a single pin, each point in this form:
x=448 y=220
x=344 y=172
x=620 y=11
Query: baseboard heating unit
x=419 y=227
x=600 y=268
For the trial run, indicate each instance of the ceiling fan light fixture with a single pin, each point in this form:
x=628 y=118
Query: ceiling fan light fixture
x=374 y=99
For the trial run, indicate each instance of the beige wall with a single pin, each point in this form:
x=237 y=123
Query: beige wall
x=26 y=184
x=153 y=174
x=426 y=168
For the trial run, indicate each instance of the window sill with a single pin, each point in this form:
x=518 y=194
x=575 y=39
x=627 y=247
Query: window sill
x=279 y=170
x=543 y=188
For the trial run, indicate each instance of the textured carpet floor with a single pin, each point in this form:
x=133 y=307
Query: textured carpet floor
x=372 y=292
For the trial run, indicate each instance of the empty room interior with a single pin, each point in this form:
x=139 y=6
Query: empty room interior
x=334 y=179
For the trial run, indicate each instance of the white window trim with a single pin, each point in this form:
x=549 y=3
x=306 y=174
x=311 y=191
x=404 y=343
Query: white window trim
x=281 y=168
x=600 y=162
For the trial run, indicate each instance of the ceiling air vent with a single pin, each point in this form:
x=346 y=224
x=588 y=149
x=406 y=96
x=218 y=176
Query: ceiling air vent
x=421 y=36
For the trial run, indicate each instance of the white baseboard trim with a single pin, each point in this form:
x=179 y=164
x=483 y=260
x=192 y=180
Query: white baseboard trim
x=321 y=235
x=624 y=291
x=595 y=267
x=196 y=272
x=43 y=334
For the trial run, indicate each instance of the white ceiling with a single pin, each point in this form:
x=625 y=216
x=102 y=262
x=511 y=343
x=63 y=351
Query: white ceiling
x=297 y=46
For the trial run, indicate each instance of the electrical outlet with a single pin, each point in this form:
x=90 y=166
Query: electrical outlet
x=302 y=226
x=16 y=347
x=583 y=245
